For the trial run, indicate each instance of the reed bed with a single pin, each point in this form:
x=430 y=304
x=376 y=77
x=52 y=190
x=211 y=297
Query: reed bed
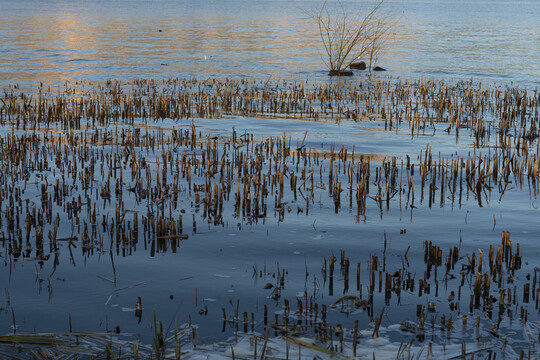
x=75 y=174
x=123 y=165
x=473 y=301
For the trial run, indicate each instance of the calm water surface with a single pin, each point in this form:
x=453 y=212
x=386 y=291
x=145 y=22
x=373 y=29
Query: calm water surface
x=54 y=42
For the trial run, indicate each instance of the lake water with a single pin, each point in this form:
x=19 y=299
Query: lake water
x=64 y=48
x=55 y=41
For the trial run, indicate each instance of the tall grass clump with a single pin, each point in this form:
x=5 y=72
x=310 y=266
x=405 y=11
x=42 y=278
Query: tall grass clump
x=349 y=36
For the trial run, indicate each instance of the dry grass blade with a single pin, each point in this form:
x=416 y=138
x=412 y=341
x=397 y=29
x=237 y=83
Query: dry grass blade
x=47 y=339
x=314 y=347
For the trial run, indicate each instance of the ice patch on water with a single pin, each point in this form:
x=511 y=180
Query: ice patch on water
x=366 y=333
x=250 y=346
x=222 y=276
x=378 y=341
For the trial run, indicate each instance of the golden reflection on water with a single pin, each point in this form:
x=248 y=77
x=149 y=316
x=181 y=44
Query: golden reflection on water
x=67 y=46
x=96 y=41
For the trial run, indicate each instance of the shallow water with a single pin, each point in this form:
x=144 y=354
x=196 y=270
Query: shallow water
x=92 y=282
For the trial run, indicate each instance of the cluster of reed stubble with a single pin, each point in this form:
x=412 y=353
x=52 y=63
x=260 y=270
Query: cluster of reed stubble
x=108 y=149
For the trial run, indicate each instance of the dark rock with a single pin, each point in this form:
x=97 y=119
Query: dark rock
x=378 y=68
x=340 y=73
x=358 y=65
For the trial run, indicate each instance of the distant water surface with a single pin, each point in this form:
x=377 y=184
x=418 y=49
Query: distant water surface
x=54 y=41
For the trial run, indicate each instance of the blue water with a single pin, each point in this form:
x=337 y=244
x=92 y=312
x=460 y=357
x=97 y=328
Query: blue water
x=54 y=41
